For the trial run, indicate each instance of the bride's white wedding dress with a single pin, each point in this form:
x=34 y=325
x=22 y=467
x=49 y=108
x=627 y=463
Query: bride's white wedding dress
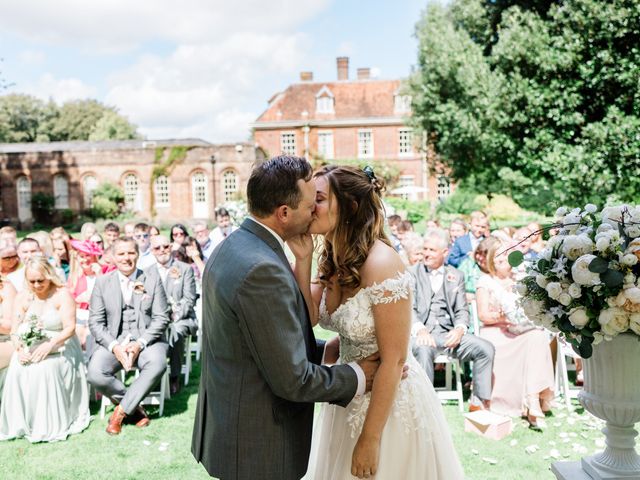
x=416 y=442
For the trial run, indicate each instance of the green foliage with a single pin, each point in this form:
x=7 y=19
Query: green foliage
x=42 y=205
x=107 y=201
x=460 y=202
x=534 y=99
x=25 y=118
x=414 y=211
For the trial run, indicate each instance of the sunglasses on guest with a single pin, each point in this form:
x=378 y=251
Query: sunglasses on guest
x=157 y=248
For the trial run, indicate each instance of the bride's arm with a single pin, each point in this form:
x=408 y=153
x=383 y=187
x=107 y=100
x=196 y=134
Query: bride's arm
x=302 y=248
x=393 y=327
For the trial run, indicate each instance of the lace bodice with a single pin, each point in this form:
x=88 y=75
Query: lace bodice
x=354 y=322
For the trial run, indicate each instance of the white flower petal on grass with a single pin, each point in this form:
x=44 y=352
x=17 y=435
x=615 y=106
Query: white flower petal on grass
x=490 y=461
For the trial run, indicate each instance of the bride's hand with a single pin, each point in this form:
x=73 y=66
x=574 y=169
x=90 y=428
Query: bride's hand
x=366 y=455
x=301 y=246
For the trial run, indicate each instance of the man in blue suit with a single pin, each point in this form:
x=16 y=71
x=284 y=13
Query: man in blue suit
x=466 y=244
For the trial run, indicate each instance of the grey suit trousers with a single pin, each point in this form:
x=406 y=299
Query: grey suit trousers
x=103 y=366
x=477 y=349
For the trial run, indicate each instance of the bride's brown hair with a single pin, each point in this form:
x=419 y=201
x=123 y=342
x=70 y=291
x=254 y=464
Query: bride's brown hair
x=359 y=224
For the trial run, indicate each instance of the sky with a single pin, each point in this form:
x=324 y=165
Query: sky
x=197 y=68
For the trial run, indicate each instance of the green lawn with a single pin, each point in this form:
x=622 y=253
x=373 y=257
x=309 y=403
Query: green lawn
x=162 y=451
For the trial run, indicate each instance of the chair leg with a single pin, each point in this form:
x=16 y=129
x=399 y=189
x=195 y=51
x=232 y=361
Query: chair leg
x=458 y=367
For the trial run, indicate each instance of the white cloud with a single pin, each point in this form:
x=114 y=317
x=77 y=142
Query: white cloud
x=60 y=89
x=31 y=57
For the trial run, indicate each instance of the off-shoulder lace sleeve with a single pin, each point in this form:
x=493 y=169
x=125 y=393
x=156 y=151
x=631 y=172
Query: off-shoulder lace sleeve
x=391 y=290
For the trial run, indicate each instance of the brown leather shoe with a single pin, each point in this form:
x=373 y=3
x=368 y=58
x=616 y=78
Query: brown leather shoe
x=139 y=417
x=174 y=385
x=115 y=421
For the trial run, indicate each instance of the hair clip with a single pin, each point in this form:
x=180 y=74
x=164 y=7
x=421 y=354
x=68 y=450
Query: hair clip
x=369 y=172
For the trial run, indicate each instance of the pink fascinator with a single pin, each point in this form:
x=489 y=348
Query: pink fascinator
x=85 y=246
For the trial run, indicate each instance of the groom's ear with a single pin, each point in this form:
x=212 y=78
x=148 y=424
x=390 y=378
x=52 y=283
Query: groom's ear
x=282 y=213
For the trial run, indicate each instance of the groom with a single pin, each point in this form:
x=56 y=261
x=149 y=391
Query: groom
x=261 y=367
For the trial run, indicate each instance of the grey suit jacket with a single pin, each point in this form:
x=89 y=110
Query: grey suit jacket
x=182 y=290
x=454 y=293
x=260 y=372
x=105 y=308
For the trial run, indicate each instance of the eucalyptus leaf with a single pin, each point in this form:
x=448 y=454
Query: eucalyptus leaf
x=612 y=278
x=599 y=265
x=516 y=258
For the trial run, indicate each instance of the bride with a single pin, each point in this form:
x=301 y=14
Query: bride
x=398 y=430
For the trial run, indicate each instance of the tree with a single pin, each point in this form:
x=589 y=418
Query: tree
x=77 y=118
x=23 y=118
x=113 y=126
x=536 y=99
x=106 y=201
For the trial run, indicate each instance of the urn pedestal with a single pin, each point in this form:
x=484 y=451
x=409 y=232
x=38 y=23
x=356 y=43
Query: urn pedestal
x=612 y=393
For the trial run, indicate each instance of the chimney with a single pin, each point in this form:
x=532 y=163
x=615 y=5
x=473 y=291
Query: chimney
x=306 y=76
x=364 y=73
x=343 y=68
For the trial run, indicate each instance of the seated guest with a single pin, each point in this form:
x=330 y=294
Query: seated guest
x=522 y=369
x=143 y=239
x=179 y=285
x=457 y=229
x=466 y=244
x=472 y=268
x=81 y=281
x=128 y=316
x=201 y=231
x=433 y=223
x=46 y=247
x=522 y=237
x=7 y=296
x=9 y=260
x=223 y=228
x=537 y=243
x=27 y=249
x=87 y=229
x=441 y=318
x=154 y=231
x=394 y=221
x=46 y=397
x=412 y=247
x=111 y=232
x=9 y=234
x=178 y=235
x=61 y=255
x=127 y=230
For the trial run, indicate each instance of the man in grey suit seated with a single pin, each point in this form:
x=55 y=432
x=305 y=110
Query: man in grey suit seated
x=179 y=284
x=128 y=315
x=441 y=316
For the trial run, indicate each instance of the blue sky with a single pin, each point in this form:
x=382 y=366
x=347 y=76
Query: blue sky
x=197 y=68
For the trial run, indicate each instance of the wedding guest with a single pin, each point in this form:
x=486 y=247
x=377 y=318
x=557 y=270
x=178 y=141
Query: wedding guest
x=45 y=398
x=153 y=231
x=46 y=247
x=9 y=234
x=457 y=229
x=128 y=229
x=412 y=249
x=177 y=235
x=110 y=233
x=97 y=239
x=522 y=239
x=61 y=255
x=537 y=243
x=179 y=285
x=394 y=221
x=9 y=260
x=201 y=231
x=128 y=315
x=191 y=253
x=7 y=296
x=403 y=229
x=472 y=268
x=466 y=244
x=223 y=228
x=107 y=260
x=441 y=316
x=87 y=230
x=83 y=276
x=27 y=249
x=433 y=223
x=143 y=239
x=522 y=369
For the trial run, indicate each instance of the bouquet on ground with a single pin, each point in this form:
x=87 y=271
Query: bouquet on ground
x=585 y=283
x=30 y=332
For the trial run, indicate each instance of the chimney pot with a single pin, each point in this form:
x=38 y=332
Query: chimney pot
x=306 y=76
x=364 y=73
x=343 y=68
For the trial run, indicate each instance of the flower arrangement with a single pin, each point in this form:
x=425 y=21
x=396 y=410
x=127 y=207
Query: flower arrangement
x=585 y=283
x=30 y=332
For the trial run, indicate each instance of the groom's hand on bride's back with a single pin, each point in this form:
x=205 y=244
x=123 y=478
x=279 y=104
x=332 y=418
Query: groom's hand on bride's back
x=370 y=366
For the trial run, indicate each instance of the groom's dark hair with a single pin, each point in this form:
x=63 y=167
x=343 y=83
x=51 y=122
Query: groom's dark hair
x=275 y=183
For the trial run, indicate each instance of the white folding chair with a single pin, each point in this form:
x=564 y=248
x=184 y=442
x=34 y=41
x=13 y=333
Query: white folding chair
x=186 y=366
x=562 y=385
x=448 y=392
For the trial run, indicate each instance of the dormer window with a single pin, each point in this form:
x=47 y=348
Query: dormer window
x=324 y=101
x=402 y=103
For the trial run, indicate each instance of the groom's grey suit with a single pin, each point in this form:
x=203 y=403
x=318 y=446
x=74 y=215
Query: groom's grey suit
x=145 y=318
x=260 y=364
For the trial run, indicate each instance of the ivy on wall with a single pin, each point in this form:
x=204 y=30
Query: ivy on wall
x=163 y=165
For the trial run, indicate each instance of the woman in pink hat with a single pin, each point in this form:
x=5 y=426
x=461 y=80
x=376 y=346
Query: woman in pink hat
x=82 y=278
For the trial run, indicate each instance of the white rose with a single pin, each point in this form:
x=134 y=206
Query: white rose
x=604 y=227
x=546 y=320
x=574 y=290
x=597 y=338
x=532 y=308
x=633 y=231
x=613 y=321
x=572 y=221
x=581 y=273
x=629 y=260
x=620 y=299
x=629 y=278
x=546 y=254
x=554 y=289
x=542 y=281
x=565 y=299
x=577 y=245
x=602 y=244
x=554 y=241
x=590 y=208
x=522 y=289
x=561 y=212
x=613 y=215
x=634 y=323
x=578 y=317
x=632 y=294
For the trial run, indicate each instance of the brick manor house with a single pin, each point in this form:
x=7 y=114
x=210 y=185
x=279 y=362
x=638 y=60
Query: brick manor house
x=162 y=180
x=348 y=119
